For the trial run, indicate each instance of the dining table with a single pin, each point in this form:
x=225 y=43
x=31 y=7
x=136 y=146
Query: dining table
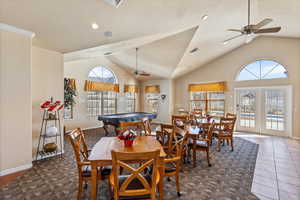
x=100 y=156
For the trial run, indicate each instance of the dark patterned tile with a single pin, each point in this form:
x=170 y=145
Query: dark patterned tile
x=230 y=177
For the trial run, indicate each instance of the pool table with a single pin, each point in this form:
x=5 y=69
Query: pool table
x=115 y=119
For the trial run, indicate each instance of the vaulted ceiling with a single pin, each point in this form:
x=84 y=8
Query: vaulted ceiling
x=164 y=30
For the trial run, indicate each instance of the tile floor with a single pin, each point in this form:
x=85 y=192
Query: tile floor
x=277 y=171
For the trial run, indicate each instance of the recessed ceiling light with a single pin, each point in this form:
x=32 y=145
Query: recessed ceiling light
x=107 y=53
x=194 y=50
x=95 y=26
x=204 y=17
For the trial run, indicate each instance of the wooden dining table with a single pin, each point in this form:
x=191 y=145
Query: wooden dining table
x=101 y=156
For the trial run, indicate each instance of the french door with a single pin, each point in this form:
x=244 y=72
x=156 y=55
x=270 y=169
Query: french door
x=264 y=110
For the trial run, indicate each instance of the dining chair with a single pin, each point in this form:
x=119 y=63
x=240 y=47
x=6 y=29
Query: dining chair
x=230 y=115
x=201 y=142
x=147 y=127
x=175 y=153
x=80 y=148
x=139 y=183
x=180 y=120
x=137 y=126
x=224 y=131
x=163 y=135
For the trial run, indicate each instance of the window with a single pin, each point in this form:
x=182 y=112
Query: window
x=68 y=112
x=130 y=101
x=262 y=69
x=101 y=102
x=213 y=103
x=152 y=100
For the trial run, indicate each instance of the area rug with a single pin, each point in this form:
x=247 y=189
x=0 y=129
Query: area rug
x=229 y=178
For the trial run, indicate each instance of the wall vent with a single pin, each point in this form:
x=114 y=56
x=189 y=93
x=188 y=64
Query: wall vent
x=115 y=3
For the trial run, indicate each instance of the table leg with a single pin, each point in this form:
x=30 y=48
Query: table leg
x=105 y=129
x=94 y=182
x=161 y=181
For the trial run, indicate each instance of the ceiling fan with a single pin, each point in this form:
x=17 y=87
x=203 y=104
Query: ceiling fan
x=250 y=30
x=137 y=72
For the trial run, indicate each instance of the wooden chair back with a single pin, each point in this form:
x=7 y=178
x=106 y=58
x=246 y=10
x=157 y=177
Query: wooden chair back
x=80 y=147
x=208 y=132
x=147 y=126
x=230 y=115
x=120 y=160
x=197 y=111
x=164 y=134
x=177 y=140
x=227 y=124
x=183 y=118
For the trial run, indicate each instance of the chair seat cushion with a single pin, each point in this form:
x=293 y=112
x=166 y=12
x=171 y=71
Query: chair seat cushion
x=87 y=171
x=199 y=143
x=223 y=134
x=134 y=184
x=170 y=169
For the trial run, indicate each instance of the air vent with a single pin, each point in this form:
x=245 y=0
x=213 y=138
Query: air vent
x=115 y=3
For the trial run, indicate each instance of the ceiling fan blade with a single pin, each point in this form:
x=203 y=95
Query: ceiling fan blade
x=268 y=30
x=235 y=30
x=232 y=38
x=144 y=74
x=263 y=23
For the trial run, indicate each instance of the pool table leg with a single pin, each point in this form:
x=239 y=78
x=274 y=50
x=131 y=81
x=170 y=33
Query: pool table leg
x=105 y=129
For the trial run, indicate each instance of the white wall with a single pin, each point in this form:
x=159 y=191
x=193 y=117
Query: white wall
x=79 y=70
x=47 y=82
x=283 y=50
x=15 y=102
x=165 y=106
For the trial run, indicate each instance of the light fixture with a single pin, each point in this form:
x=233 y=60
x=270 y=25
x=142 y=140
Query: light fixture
x=225 y=42
x=204 y=17
x=95 y=26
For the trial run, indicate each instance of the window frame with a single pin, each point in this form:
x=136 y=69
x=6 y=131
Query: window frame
x=260 y=79
x=150 y=105
x=131 y=99
x=207 y=101
x=102 y=110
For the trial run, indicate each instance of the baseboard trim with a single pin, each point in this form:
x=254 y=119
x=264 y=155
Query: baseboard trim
x=47 y=156
x=16 y=169
x=88 y=128
x=296 y=138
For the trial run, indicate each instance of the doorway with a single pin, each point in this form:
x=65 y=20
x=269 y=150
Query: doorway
x=264 y=110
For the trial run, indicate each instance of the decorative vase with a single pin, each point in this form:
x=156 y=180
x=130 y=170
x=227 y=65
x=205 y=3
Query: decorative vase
x=128 y=143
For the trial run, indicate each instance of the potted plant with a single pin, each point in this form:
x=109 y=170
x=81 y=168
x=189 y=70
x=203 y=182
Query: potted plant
x=128 y=137
x=69 y=94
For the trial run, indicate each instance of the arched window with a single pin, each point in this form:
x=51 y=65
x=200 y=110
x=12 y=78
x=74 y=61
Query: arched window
x=102 y=74
x=101 y=102
x=262 y=69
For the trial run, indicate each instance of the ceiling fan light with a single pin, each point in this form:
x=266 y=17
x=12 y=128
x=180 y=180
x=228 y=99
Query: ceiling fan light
x=204 y=17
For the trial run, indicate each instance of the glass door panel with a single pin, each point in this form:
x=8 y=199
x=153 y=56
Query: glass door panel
x=264 y=110
x=275 y=111
x=247 y=110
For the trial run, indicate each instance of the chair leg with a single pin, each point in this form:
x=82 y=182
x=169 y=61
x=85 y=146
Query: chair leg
x=219 y=145
x=80 y=183
x=194 y=158
x=177 y=183
x=207 y=156
x=231 y=141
